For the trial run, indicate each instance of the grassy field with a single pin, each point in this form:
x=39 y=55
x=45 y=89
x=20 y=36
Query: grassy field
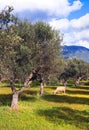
x=68 y=111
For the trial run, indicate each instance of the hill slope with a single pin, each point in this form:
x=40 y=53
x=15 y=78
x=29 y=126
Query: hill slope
x=80 y=52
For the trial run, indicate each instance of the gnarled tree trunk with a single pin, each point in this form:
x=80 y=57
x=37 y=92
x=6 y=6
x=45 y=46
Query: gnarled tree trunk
x=78 y=80
x=14 y=103
x=15 y=96
x=32 y=76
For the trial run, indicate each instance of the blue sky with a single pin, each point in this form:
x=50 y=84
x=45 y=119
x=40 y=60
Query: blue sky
x=70 y=17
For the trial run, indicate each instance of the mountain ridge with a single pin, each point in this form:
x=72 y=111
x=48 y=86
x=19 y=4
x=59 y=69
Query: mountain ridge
x=79 y=52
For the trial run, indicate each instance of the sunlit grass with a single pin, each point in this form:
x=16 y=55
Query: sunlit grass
x=69 y=111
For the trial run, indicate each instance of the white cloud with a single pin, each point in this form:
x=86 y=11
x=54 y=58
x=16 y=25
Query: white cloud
x=65 y=24
x=81 y=23
x=52 y=7
x=77 y=38
x=61 y=24
x=83 y=34
x=83 y=43
x=76 y=31
x=70 y=40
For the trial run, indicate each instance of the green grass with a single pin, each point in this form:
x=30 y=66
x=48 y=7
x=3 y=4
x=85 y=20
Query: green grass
x=68 y=111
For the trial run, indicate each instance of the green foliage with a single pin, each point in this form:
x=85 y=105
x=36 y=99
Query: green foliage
x=75 y=69
x=43 y=32
x=25 y=46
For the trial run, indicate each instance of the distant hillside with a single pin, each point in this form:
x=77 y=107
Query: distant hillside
x=80 y=52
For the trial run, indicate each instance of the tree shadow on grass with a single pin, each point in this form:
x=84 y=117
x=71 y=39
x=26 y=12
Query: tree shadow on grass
x=82 y=87
x=51 y=87
x=5 y=99
x=30 y=92
x=28 y=95
x=78 y=92
x=66 y=99
x=65 y=115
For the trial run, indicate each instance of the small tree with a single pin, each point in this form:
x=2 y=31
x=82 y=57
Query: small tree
x=82 y=70
x=69 y=71
x=76 y=69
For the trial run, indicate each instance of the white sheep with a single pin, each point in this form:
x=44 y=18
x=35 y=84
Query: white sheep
x=60 y=89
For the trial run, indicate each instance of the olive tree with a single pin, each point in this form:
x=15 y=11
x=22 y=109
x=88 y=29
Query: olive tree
x=75 y=69
x=28 y=52
x=82 y=70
